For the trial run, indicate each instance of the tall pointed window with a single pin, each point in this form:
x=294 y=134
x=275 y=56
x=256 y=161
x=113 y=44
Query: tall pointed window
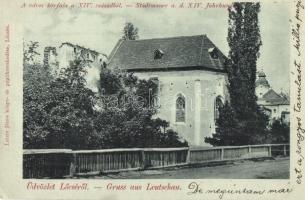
x=180 y=108
x=217 y=106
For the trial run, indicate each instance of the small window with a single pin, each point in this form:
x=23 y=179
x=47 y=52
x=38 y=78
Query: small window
x=213 y=53
x=104 y=65
x=285 y=116
x=180 y=108
x=158 y=54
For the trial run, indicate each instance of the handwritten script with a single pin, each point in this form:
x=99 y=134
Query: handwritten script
x=297 y=107
x=195 y=188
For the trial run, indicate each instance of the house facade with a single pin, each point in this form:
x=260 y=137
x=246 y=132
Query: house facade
x=191 y=80
x=275 y=105
x=60 y=58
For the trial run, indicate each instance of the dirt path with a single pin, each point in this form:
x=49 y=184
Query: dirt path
x=267 y=169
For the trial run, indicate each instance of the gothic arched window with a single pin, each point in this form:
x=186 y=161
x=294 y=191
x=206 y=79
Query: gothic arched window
x=218 y=104
x=180 y=108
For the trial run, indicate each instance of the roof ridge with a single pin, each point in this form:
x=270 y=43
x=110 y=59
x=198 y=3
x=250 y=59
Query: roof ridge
x=166 y=38
x=180 y=52
x=274 y=92
x=114 y=50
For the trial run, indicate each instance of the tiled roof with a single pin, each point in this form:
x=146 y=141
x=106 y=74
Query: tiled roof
x=178 y=52
x=272 y=98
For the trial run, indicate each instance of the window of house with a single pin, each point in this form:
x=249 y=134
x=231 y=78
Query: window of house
x=213 y=53
x=180 y=108
x=158 y=54
x=217 y=106
x=285 y=116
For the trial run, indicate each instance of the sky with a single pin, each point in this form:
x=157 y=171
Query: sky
x=101 y=29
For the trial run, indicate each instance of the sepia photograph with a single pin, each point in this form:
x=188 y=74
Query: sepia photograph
x=203 y=94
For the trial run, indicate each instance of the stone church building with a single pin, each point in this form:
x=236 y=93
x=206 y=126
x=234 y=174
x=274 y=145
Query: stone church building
x=191 y=79
x=189 y=72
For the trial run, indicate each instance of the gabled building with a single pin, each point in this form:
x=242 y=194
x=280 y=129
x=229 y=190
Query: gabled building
x=275 y=105
x=191 y=79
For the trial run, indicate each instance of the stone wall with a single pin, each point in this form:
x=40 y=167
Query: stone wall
x=200 y=89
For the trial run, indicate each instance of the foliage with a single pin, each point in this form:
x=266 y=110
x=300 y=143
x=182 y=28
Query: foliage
x=130 y=32
x=30 y=52
x=242 y=122
x=226 y=128
x=61 y=112
x=244 y=41
x=279 y=132
x=110 y=83
x=135 y=112
x=35 y=93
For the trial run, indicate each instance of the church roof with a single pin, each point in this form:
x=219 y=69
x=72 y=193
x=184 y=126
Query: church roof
x=273 y=98
x=185 y=52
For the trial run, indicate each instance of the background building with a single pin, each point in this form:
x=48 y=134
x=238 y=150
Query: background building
x=275 y=105
x=60 y=58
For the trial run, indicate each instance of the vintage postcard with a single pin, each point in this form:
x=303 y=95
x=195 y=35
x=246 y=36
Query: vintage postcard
x=143 y=99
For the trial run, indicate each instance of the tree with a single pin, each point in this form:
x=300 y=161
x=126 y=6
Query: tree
x=244 y=41
x=36 y=80
x=130 y=32
x=70 y=110
x=242 y=121
x=61 y=112
x=35 y=93
x=226 y=128
x=58 y=112
x=109 y=83
x=30 y=52
x=279 y=132
x=126 y=119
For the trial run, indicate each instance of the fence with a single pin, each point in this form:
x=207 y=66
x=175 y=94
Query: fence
x=53 y=163
x=237 y=152
x=56 y=163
